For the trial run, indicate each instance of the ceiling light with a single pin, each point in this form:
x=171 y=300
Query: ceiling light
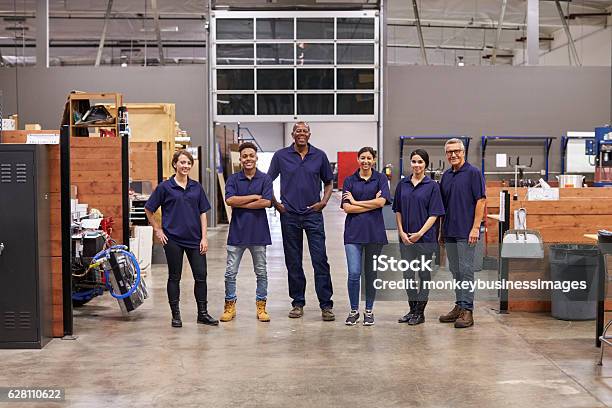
x=460 y=62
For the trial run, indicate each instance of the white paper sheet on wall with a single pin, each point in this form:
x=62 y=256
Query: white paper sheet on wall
x=501 y=160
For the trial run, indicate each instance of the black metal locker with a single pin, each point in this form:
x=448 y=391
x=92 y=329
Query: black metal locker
x=25 y=262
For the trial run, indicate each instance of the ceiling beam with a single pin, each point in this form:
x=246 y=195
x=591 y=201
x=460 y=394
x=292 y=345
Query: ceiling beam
x=420 y=32
x=500 y=23
x=568 y=34
x=471 y=26
x=109 y=6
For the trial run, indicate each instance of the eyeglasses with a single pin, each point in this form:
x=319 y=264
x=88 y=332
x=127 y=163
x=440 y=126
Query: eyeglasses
x=301 y=131
x=454 y=152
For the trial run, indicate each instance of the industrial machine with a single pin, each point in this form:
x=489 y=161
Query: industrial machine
x=25 y=258
x=601 y=148
x=98 y=265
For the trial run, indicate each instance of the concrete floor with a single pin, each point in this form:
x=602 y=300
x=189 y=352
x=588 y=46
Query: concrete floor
x=519 y=359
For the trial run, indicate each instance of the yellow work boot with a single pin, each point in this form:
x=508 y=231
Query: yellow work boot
x=262 y=315
x=229 y=311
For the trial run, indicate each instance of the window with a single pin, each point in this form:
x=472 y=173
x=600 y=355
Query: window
x=275 y=104
x=276 y=65
x=235 y=104
x=315 y=78
x=362 y=78
x=356 y=28
x=315 y=104
x=275 y=28
x=274 y=79
x=356 y=104
x=315 y=28
x=235 y=79
x=235 y=54
x=235 y=29
x=274 y=54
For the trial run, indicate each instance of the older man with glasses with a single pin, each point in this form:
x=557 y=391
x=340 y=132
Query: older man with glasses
x=463 y=194
x=302 y=167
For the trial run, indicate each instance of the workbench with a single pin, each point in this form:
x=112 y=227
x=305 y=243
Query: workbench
x=571 y=219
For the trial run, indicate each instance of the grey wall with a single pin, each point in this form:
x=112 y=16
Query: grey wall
x=39 y=95
x=476 y=101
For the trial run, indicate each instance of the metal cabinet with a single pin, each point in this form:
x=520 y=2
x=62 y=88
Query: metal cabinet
x=25 y=262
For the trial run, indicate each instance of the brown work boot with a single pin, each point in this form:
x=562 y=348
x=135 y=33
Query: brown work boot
x=327 y=315
x=262 y=315
x=296 y=312
x=451 y=316
x=465 y=319
x=229 y=311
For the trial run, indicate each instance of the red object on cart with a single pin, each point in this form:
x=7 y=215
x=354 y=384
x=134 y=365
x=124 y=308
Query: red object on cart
x=347 y=165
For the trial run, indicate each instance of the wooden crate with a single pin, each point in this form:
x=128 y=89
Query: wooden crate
x=153 y=122
x=98 y=183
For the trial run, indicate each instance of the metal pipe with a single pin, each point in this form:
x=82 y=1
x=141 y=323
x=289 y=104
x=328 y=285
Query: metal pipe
x=445 y=47
x=500 y=22
x=568 y=34
x=461 y=23
x=109 y=6
x=420 y=31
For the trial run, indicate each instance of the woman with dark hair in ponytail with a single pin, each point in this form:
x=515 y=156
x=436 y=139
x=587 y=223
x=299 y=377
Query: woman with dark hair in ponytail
x=417 y=205
x=364 y=194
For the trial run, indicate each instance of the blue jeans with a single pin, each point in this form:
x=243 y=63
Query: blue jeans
x=355 y=256
x=293 y=227
x=234 y=255
x=461 y=264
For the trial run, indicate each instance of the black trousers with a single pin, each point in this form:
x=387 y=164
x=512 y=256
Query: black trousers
x=174 y=257
x=409 y=253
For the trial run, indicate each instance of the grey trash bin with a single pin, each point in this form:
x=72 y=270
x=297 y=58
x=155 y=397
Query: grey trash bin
x=574 y=262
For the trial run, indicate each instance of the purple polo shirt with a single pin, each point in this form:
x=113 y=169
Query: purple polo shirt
x=417 y=204
x=181 y=210
x=461 y=190
x=300 y=178
x=367 y=227
x=249 y=227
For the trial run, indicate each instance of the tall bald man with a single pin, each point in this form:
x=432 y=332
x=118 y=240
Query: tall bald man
x=302 y=167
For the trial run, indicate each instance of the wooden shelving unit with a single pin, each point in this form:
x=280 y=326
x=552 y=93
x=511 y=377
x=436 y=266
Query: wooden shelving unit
x=95 y=99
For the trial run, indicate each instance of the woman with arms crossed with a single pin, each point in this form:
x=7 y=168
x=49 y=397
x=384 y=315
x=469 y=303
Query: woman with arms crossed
x=363 y=195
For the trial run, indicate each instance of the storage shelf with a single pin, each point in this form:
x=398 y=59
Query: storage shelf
x=94 y=97
x=108 y=125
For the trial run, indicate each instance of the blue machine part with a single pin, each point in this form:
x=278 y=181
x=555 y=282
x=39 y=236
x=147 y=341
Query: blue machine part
x=603 y=156
x=86 y=295
x=602 y=134
x=589 y=147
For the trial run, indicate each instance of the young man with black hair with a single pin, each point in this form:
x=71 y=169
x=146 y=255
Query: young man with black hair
x=249 y=193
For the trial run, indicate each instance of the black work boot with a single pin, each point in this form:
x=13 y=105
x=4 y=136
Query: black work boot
x=418 y=316
x=176 y=314
x=203 y=316
x=406 y=318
